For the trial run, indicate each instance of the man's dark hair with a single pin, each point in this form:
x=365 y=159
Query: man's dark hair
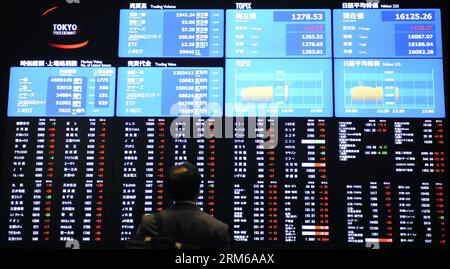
x=183 y=182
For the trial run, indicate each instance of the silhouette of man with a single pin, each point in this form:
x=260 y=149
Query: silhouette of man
x=183 y=225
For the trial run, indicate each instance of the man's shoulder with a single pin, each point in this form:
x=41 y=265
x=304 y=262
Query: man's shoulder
x=193 y=222
x=196 y=213
x=213 y=221
x=217 y=229
x=148 y=217
x=149 y=221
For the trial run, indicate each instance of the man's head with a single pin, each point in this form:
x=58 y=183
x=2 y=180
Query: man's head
x=183 y=182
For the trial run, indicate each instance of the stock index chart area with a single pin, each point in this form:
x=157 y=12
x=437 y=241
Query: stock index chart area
x=314 y=124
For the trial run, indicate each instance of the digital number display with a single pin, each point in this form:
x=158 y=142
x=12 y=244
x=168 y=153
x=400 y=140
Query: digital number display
x=59 y=92
x=387 y=33
x=278 y=33
x=150 y=92
x=171 y=33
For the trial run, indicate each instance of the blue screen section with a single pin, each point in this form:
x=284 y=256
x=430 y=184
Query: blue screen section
x=171 y=33
x=61 y=92
x=278 y=33
x=167 y=92
x=400 y=33
x=389 y=88
x=279 y=87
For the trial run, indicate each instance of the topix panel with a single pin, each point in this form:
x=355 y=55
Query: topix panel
x=279 y=87
x=278 y=33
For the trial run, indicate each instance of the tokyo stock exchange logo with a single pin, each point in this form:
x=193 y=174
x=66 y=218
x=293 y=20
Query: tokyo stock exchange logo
x=65 y=27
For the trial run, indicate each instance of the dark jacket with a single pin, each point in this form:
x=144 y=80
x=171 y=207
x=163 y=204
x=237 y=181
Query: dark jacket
x=186 y=224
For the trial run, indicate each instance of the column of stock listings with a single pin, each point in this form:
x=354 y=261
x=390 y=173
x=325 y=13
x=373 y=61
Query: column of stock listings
x=316 y=126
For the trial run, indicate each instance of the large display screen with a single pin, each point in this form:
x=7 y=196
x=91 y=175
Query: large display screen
x=314 y=124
